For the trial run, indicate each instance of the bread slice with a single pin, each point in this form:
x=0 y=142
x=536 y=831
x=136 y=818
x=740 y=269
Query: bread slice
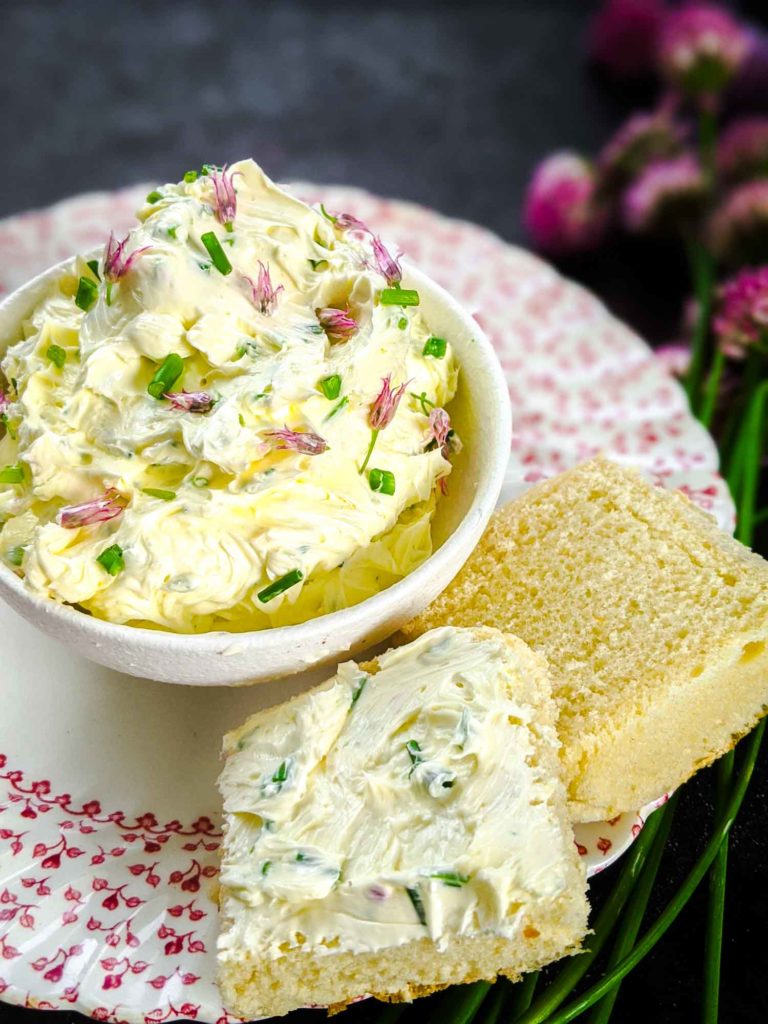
x=654 y=623
x=398 y=829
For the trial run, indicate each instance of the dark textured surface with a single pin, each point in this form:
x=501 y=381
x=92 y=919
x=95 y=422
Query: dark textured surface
x=445 y=104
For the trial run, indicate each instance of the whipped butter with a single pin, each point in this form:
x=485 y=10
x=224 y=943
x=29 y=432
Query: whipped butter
x=212 y=381
x=391 y=806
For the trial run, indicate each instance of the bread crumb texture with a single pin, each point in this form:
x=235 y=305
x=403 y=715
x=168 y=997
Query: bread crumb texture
x=653 y=620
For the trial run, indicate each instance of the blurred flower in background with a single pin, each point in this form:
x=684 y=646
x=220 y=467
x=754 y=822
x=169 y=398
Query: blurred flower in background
x=624 y=36
x=741 y=322
x=667 y=196
x=737 y=232
x=561 y=210
x=701 y=47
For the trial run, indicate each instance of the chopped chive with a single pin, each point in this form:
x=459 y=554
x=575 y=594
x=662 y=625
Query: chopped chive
x=359 y=689
x=154 y=196
x=57 y=355
x=166 y=375
x=206 y=169
x=228 y=241
x=415 y=897
x=93 y=266
x=452 y=878
x=331 y=386
x=15 y=556
x=435 y=347
x=12 y=474
x=337 y=408
x=241 y=419
x=109 y=292
x=265 y=867
x=172 y=230
x=215 y=251
x=204 y=266
x=301 y=856
x=280 y=585
x=8 y=424
x=402 y=323
x=87 y=293
x=423 y=401
x=381 y=480
x=240 y=351
x=399 y=297
x=190 y=176
x=229 y=227
x=282 y=772
x=156 y=492
x=200 y=481
x=414 y=751
x=111 y=559
x=328 y=216
x=319 y=264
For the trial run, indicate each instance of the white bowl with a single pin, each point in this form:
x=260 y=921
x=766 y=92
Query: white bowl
x=481 y=415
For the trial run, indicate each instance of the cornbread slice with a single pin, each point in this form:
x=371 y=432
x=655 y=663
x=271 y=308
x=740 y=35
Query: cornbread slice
x=653 y=620
x=398 y=829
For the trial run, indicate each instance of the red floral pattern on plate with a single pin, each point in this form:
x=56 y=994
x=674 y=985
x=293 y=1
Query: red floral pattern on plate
x=114 y=915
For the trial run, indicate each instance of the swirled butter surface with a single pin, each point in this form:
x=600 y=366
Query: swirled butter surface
x=245 y=294
x=379 y=808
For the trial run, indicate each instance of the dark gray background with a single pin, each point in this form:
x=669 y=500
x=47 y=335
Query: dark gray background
x=446 y=104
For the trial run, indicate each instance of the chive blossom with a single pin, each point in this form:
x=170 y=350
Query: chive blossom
x=111 y=560
x=435 y=347
x=215 y=251
x=154 y=197
x=87 y=293
x=166 y=375
x=399 y=297
x=418 y=905
x=12 y=474
x=331 y=386
x=157 y=492
x=280 y=585
x=382 y=481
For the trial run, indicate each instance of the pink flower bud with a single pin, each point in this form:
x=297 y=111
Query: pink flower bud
x=299 y=441
x=561 y=214
x=385 y=263
x=664 y=195
x=337 y=323
x=743 y=149
x=624 y=35
x=99 y=510
x=701 y=48
x=384 y=406
x=116 y=262
x=225 y=197
x=640 y=140
x=738 y=229
x=4 y=401
x=263 y=294
x=439 y=428
x=741 y=321
x=346 y=222
x=190 y=401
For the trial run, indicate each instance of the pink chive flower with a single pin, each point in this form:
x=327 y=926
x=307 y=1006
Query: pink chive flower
x=741 y=321
x=190 y=401
x=263 y=294
x=100 y=510
x=674 y=358
x=561 y=214
x=439 y=429
x=4 y=401
x=385 y=263
x=346 y=222
x=382 y=411
x=624 y=34
x=299 y=441
x=664 y=195
x=641 y=139
x=225 y=197
x=337 y=323
x=738 y=229
x=701 y=48
x=116 y=262
x=742 y=151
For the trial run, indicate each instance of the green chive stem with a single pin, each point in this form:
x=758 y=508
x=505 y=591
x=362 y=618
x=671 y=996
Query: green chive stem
x=461 y=1004
x=671 y=912
x=522 y=994
x=713 y=937
x=366 y=460
x=12 y=474
x=279 y=586
x=712 y=387
x=337 y=408
x=634 y=912
x=399 y=297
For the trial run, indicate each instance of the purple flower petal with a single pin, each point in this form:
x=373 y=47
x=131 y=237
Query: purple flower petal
x=384 y=406
x=190 y=401
x=263 y=294
x=738 y=229
x=100 y=510
x=337 y=323
x=666 y=192
x=4 y=401
x=742 y=318
x=116 y=262
x=624 y=35
x=439 y=428
x=385 y=263
x=225 y=197
x=561 y=212
x=702 y=46
x=347 y=222
x=299 y=441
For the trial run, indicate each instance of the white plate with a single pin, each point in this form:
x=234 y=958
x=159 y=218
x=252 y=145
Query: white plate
x=108 y=812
